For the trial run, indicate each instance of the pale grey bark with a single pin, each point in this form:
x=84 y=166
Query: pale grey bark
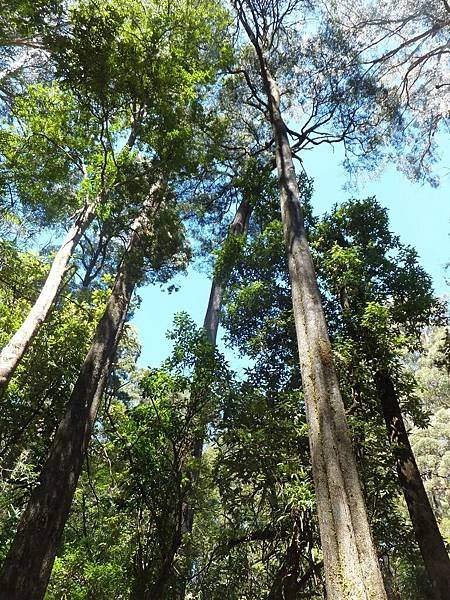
x=13 y=352
x=238 y=226
x=28 y=564
x=212 y=317
x=211 y=322
x=352 y=570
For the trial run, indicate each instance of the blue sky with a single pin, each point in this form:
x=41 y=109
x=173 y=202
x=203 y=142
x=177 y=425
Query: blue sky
x=418 y=213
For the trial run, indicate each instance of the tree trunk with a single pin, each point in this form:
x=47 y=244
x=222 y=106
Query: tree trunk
x=428 y=536
x=159 y=588
x=12 y=353
x=286 y=582
x=352 y=571
x=139 y=589
x=389 y=580
x=27 y=567
x=238 y=226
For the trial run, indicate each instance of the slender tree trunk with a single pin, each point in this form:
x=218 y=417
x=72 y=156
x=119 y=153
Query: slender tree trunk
x=389 y=580
x=238 y=226
x=140 y=584
x=27 y=567
x=159 y=589
x=286 y=582
x=13 y=352
x=211 y=323
x=428 y=536
x=352 y=571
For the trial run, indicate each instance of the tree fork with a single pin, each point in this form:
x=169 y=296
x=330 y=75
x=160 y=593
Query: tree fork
x=352 y=571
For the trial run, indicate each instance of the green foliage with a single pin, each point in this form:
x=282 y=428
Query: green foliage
x=45 y=153
x=27 y=18
x=227 y=256
x=36 y=397
x=77 y=578
x=21 y=274
x=146 y=64
x=432 y=444
x=131 y=50
x=132 y=93
x=378 y=299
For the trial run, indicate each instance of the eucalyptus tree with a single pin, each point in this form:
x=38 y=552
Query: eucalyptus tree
x=249 y=187
x=147 y=99
x=201 y=385
x=252 y=186
x=350 y=561
x=405 y=45
x=238 y=180
x=23 y=48
x=377 y=300
x=28 y=565
x=67 y=152
x=33 y=402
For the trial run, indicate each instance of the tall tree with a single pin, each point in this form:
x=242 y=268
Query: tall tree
x=377 y=300
x=367 y=281
x=405 y=45
x=350 y=561
x=28 y=565
x=12 y=353
x=249 y=187
x=116 y=87
x=253 y=184
x=428 y=536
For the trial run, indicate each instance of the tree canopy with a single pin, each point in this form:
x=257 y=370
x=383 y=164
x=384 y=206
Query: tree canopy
x=140 y=139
